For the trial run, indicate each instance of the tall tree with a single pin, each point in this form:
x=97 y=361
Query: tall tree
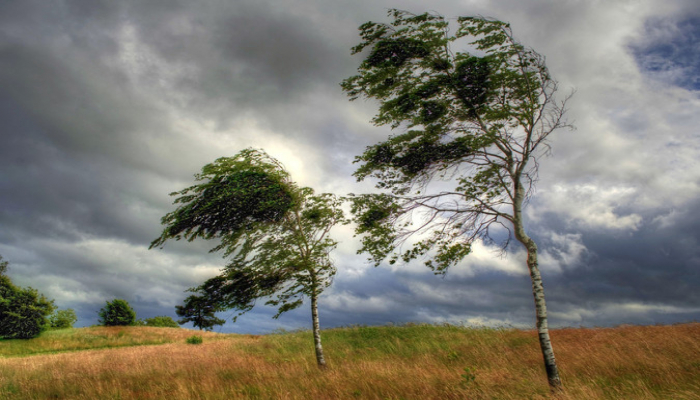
x=275 y=234
x=473 y=126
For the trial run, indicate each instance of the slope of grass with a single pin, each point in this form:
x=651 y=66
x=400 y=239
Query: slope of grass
x=54 y=341
x=411 y=362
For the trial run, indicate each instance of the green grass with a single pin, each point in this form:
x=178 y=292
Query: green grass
x=386 y=362
x=75 y=339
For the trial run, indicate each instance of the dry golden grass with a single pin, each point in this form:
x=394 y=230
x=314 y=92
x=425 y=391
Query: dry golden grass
x=417 y=362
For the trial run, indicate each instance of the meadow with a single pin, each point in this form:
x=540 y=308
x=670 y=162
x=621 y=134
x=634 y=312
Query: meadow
x=387 y=362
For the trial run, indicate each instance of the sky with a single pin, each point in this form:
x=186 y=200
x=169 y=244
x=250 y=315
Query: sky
x=107 y=107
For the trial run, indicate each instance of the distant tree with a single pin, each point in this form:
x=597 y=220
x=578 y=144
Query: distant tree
x=63 y=319
x=475 y=124
x=23 y=311
x=275 y=233
x=201 y=311
x=3 y=266
x=161 y=321
x=117 y=312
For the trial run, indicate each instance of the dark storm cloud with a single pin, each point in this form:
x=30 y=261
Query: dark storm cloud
x=109 y=106
x=670 y=50
x=241 y=55
x=627 y=276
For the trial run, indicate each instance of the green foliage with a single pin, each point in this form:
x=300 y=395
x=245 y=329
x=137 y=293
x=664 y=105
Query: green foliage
x=96 y=337
x=237 y=194
x=63 y=319
x=117 y=312
x=472 y=124
x=161 y=321
x=194 y=339
x=23 y=310
x=201 y=311
x=274 y=233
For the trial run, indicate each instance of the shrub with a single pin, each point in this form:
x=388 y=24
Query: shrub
x=63 y=319
x=23 y=310
x=195 y=339
x=161 y=321
x=118 y=312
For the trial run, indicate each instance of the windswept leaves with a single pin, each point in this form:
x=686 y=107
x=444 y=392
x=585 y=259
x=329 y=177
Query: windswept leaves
x=275 y=234
x=471 y=121
x=237 y=193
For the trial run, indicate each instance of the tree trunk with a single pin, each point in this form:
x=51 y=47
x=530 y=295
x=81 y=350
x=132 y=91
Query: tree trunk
x=317 y=330
x=550 y=363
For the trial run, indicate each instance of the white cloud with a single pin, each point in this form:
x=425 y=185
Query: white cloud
x=622 y=312
x=565 y=252
x=589 y=206
x=348 y=302
x=100 y=269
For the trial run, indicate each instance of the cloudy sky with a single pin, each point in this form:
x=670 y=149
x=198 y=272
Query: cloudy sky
x=108 y=106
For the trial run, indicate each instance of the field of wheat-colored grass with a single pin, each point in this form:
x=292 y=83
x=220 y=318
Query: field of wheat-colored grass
x=390 y=362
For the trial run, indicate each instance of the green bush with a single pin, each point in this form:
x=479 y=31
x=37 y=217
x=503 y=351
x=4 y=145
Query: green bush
x=118 y=312
x=23 y=310
x=195 y=339
x=63 y=319
x=160 y=321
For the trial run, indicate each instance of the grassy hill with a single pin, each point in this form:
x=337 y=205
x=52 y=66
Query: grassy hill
x=407 y=362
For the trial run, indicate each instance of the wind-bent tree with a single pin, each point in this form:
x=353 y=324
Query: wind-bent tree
x=275 y=234
x=474 y=124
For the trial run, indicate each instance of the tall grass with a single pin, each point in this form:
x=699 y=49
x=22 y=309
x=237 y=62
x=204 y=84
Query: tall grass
x=412 y=362
x=54 y=341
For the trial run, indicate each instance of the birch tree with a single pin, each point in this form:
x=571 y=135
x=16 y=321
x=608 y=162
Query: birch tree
x=471 y=124
x=275 y=235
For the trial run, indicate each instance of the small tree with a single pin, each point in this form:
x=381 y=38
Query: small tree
x=63 y=319
x=117 y=312
x=275 y=233
x=201 y=311
x=475 y=126
x=23 y=311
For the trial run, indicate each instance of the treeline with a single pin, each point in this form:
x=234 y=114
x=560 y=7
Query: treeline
x=25 y=313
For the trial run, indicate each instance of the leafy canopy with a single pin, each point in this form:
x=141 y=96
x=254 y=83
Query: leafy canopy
x=472 y=123
x=117 y=312
x=200 y=310
x=275 y=234
x=23 y=311
x=237 y=194
x=63 y=319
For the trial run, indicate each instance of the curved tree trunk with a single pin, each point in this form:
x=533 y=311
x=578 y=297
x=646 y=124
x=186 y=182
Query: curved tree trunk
x=317 y=330
x=550 y=362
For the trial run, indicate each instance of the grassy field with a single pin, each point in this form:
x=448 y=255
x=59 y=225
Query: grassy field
x=408 y=362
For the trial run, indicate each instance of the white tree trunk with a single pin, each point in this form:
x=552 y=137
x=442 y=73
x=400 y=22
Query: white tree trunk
x=550 y=363
x=317 y=330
